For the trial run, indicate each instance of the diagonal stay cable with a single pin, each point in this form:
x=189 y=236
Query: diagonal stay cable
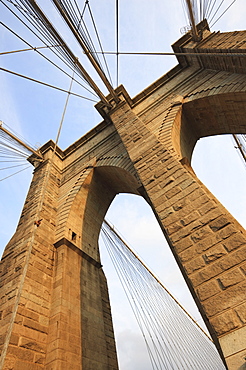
x=45 y=84
x=143 y=289
x=223 y=13
x=44 y=56
x=154 y=277
x=13 y=135
x=177 y=328
x=122 y=277
x=23 y=169
x=217 y=9
x=27 y=49
x=17 y=165
x=33 y=7
x=72 y=27
x=52 y=31
x=210 y=9
x=124 y=274
x=57 y=52
x=130 y=286
x=81 y=28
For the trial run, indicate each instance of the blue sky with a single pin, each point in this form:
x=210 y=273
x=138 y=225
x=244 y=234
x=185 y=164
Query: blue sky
x=34 y=111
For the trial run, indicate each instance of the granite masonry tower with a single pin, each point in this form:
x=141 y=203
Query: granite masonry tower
x=54 y=308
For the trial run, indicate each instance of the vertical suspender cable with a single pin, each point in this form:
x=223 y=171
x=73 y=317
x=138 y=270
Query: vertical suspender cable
x=100 y=44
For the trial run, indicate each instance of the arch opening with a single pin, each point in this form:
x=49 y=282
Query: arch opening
x=218 y=165
x=136 y=222
x=209 y=116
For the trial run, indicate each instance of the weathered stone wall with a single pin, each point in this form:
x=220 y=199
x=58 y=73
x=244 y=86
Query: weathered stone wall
x=55 y=311
x=26 y=276
x=159 y=130
x=207 y=242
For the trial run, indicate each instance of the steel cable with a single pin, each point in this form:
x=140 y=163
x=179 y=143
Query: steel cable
x=54 y=37
x=159 y=315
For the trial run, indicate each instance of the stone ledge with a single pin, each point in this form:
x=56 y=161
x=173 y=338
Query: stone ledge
x=72 y=246
x=233 y=342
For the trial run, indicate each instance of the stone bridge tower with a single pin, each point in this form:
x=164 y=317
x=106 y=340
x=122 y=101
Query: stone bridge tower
x=55 y=311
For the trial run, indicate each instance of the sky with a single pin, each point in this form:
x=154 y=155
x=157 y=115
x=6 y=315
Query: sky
x=34 y=111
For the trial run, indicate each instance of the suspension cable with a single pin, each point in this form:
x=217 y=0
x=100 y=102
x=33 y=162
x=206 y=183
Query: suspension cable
x=198 y=10
x=45 y=57
x=174 y=342
x=223 y=13
x=153 y=276
x=38 y=16
x=28 y=49
x=197 y=53
x=45 y=84
x=99 y=42
x=57 y=52
x=7 y=177
x=218 y=8
x=80 y=40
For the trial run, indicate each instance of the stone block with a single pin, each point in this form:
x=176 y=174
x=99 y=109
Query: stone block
x=173 y=228
x=234 y=342
x=39 y=359
x=29 y=333
x=194 y=265
x=20 y=353
x=183 y=244
x=219 y=223
x=214 y=253
x=226 y=232
x=201 y=234
x=233 y=259
x=208 y=290
x=226 y=323
x=231 y=297
x=241 y=312
x=9 y=363
x=243 y=268
x=210 y=205
x=188 y=254
x=55 y=355
x=172 y=192
x=231 y=278
x=32 y=345
x=235 y=241
x=23 y=365
x=28 y=313
x=206 y=243
x=14 y=339
x=236 y=361
x=190 y=218
x=210 y=216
